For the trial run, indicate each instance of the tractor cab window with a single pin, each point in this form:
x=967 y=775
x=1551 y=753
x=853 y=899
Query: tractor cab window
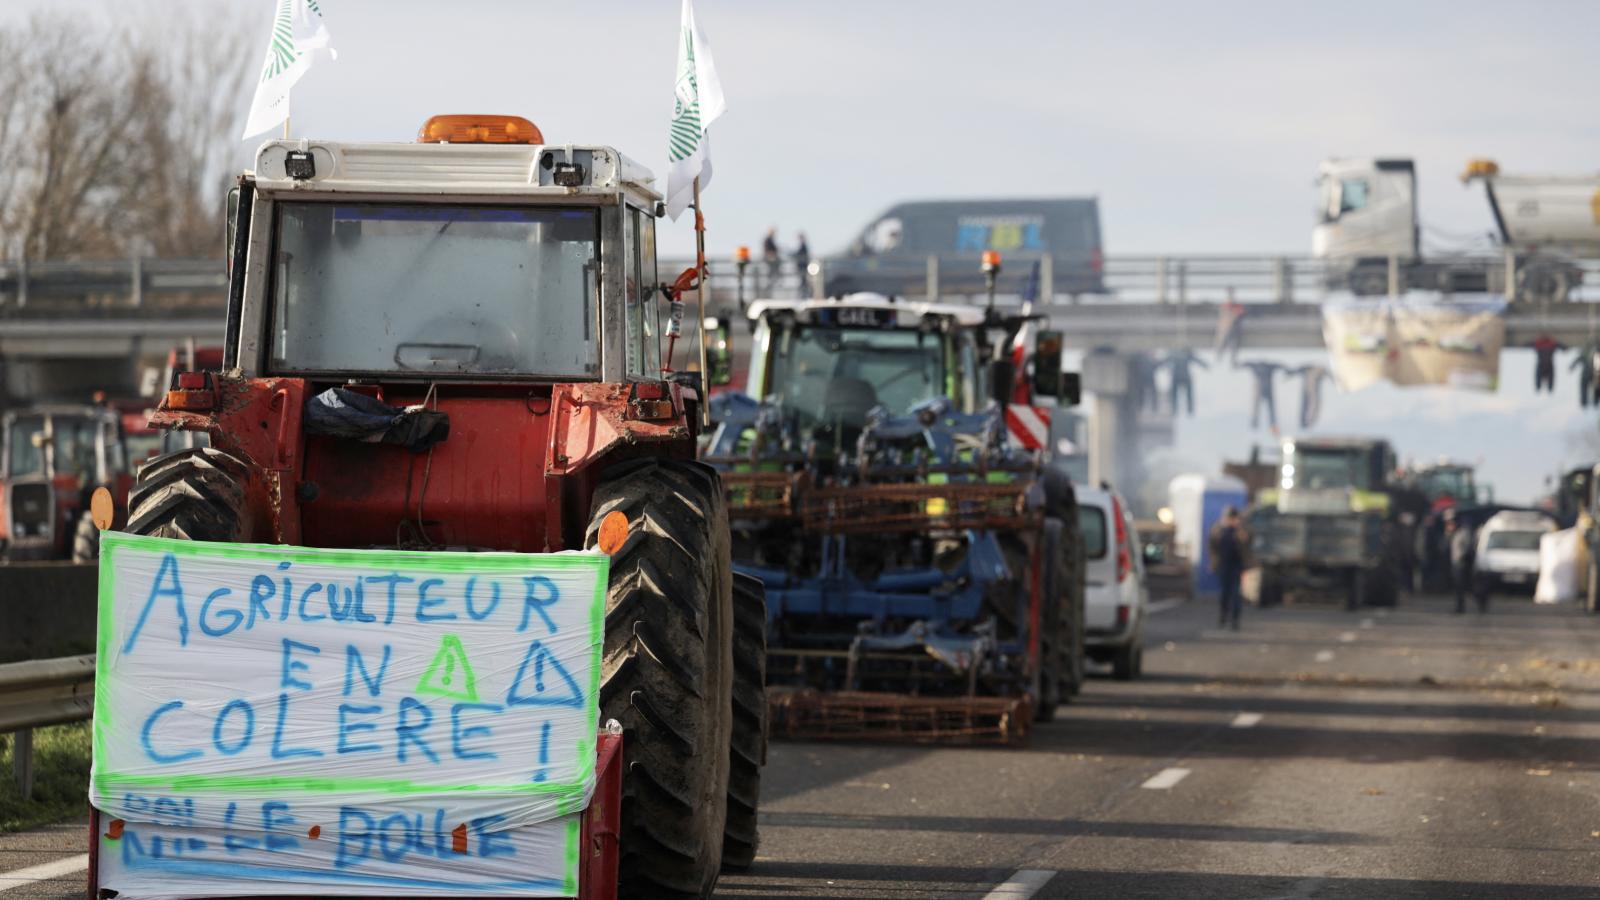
x=436 y=290
x=74 y=443
x=1326 y=469
x=25 y=447
x=643 y=345
x=835 y=375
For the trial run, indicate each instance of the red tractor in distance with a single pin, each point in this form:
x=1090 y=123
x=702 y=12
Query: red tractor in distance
x=456 y=344
x=52 y=457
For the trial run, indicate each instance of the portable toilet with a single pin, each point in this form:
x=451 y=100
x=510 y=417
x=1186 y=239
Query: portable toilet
x=1197 y=503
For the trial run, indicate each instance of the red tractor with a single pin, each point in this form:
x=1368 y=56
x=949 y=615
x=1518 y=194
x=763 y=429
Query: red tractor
x=52 y=458
x=456 y=344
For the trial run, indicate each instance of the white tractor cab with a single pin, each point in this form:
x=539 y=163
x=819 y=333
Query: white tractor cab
x=828 y=363
x=1508 y=550
x=1115 y=596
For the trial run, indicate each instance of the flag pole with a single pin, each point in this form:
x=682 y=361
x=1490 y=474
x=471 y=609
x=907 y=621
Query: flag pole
x=700 y=268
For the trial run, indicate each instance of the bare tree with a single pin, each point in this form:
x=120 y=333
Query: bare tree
x=114 y=141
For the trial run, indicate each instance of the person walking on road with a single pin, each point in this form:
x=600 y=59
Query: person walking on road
x=1228 y=543
x=1463 y=555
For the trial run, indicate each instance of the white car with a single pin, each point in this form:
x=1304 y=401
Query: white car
x=1115 y=597
x=1508 y=550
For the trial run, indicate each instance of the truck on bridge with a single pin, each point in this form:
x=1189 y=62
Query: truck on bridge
x=1368 y=218
x=891 y=255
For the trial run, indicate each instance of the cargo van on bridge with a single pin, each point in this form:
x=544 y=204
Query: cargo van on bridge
x=891 y=255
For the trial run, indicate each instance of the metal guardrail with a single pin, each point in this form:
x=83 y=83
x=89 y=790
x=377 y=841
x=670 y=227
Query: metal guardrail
x=42 y=692
x=154 y=287
x=1131 y=279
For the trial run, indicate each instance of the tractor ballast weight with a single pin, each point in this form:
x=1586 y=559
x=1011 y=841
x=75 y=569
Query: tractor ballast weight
x=459 y=346
x=923 y=572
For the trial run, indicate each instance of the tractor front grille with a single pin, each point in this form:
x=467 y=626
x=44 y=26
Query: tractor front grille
x=32 y=510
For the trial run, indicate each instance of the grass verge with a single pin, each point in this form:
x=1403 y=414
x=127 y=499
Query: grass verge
x=60 y=777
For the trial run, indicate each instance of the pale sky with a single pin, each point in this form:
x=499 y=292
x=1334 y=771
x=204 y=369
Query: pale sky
x=1198 y=125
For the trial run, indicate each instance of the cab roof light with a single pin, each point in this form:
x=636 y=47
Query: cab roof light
x=476 y=129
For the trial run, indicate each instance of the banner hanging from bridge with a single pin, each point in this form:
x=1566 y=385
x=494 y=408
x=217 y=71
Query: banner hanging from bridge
x=1454 y=343
x=275 y=720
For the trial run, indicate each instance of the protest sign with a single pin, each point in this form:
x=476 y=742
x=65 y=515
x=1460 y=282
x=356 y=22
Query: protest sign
x=1415 y=340
x=325 y=719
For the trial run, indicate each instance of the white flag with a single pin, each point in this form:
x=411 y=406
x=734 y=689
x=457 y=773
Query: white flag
x=698 y=103
x=297 y=31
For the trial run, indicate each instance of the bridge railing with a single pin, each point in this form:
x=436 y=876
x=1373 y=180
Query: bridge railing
x=151 y=286
x=1193 y=278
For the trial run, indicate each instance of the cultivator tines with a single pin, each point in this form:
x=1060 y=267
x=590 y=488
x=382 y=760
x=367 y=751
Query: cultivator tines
x=901 y=718
x=881 y=508
x=760 y=495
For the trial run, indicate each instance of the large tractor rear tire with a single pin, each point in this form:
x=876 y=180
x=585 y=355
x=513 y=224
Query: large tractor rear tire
x=1052 y=629
x=748 y=750
x=1061 y=502
x=667 y=673
x=195 y=494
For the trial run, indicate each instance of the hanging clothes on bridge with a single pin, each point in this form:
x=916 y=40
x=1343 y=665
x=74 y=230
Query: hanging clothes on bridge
x=1545 y=348
x=1264 y=372
x=1145 y=394
x=1587 y=365
x=1311 y=378
x=1178 y=363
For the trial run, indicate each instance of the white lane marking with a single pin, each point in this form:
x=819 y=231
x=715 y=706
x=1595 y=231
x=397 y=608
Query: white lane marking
x=43 y=872
x=1165 y=779
x=1161 y=606
x=1324 y=656
x=1366 y=623
x=1347 y=637
x=1023 y=883
x=1245 y=720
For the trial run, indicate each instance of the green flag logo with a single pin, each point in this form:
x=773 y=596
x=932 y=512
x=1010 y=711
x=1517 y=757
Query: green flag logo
x=683 y=136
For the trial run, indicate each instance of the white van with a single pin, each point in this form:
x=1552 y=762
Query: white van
x=1508 y=550
x=1115 y=596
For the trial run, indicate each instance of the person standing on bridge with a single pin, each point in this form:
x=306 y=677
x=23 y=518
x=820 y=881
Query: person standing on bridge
x=773 y=257
x=1228 y=542
x=802 y=264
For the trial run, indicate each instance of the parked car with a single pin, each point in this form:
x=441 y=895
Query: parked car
x=1508 y=550
x=1115 y=597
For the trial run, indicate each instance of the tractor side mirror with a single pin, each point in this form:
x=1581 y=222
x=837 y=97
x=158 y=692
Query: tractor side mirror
x=719 y=349
x=1047 y=364
x=1001 y=375
x=1071 y=389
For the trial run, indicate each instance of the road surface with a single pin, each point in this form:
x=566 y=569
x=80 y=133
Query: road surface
x=1315 y=754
